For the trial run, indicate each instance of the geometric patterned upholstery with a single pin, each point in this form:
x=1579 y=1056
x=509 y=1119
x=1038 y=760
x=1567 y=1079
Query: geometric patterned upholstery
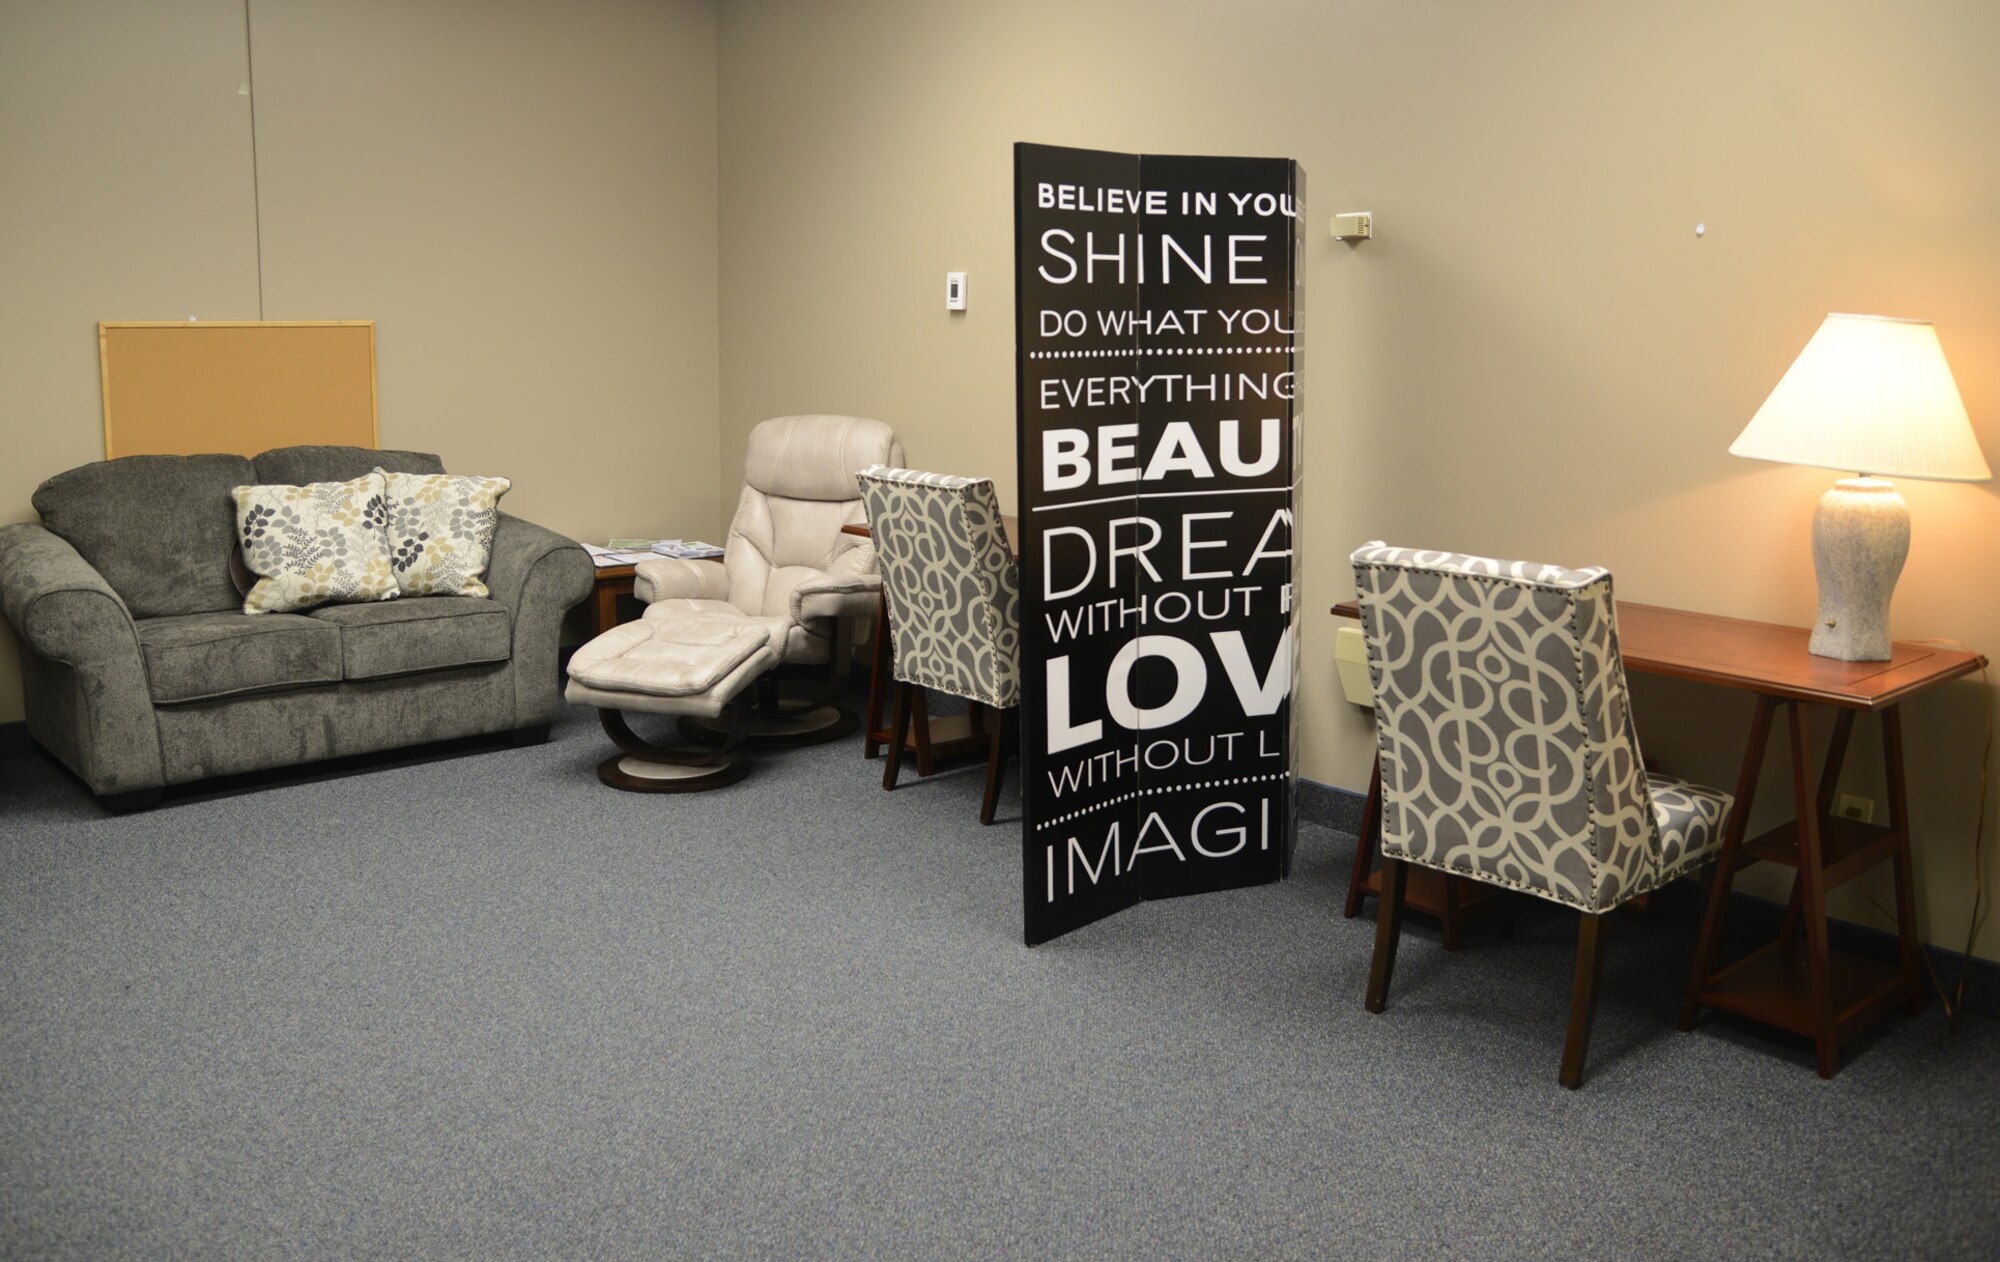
x=1507 y=747
x=1690 y=818
x=953 y=592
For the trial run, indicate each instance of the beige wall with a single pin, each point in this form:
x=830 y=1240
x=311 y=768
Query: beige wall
x=521 y=195
x=125 y=193
x=1535 y=357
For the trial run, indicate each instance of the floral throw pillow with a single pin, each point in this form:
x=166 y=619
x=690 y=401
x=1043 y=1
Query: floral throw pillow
x=315 y=545
x=441 y=530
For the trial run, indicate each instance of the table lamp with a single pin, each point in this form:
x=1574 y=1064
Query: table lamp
x=1872 y=395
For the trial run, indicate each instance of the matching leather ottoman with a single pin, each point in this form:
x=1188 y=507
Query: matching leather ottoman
x=662 y=666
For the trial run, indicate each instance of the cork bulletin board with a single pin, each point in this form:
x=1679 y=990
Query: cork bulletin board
x=239 y=386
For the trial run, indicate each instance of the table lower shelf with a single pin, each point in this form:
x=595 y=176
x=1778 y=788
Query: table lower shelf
x=1847 y=847
x=1772 y=984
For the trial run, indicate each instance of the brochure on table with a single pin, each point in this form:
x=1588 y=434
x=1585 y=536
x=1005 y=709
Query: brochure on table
x=633 y=551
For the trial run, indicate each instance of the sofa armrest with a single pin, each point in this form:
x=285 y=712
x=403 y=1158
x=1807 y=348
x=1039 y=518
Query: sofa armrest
x=35 y=564
x=82 y=673
x=538 y=574
x=849 y=588
x=675 y=578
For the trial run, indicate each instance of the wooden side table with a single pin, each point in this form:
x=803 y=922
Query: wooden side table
x=613 y=581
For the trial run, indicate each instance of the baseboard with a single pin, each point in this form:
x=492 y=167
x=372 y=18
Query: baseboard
x=1330 y=807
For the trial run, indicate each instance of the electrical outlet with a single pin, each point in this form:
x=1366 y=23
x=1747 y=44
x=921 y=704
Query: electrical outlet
x=1857 y=808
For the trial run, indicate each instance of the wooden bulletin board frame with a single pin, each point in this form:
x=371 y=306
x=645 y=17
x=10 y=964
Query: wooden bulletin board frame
x=239 y=386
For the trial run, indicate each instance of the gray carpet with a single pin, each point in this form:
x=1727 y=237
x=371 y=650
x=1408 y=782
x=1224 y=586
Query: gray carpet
x=482 y=1007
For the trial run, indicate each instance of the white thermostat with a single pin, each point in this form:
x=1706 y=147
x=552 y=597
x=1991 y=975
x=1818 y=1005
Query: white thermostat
x=954 y=291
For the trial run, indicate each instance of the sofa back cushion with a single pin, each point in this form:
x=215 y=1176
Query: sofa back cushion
x=299 y=466
x=158 y=528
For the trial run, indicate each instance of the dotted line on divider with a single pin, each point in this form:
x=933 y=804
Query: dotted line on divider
x=1171 y=788
x=1163 y=350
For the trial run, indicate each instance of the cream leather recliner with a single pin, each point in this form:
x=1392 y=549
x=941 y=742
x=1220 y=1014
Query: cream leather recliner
x=787 y=568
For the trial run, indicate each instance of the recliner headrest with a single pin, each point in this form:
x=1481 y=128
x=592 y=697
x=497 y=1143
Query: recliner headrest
x=814 y=457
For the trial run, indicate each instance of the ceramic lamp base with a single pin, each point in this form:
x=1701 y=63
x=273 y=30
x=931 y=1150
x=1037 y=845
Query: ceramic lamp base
x=1860 y=537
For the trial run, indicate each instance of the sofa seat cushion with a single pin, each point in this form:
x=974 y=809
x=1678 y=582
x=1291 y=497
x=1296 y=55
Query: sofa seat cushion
x=202 y=656
x=418 y=633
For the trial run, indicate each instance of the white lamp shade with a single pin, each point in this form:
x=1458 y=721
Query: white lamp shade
x=1872 y=395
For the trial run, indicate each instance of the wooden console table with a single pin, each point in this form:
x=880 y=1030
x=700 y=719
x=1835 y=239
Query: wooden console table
x=1829 y=996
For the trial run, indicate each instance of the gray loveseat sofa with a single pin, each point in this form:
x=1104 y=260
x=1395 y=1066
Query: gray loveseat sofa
x=140 y=669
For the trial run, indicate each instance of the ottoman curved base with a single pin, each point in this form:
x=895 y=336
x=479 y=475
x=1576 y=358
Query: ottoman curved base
x=644 y=775
x=792 y=725
x=681 y=672
x=648 y=767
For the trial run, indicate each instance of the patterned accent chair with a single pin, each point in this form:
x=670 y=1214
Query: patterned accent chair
x=787 y=569
x=954 y=601
x=1508 y=753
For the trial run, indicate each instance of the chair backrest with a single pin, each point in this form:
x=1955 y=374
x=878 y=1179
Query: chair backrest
x=949 y=578
x=1507 y=747
x=798 y=491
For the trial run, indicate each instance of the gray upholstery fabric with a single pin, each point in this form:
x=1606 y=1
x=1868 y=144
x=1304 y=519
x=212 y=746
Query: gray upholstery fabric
x=284 y=729
x=199 y=656
x=1507 y=747
x=158 y=528
x=85 y=676
x=953 y=592
x=538 y=575
x=417 y=633
x=298 y=466
x=1691 y=817
x=81 y=673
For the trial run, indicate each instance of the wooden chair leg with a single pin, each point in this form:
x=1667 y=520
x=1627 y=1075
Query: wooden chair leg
x=1388 y=930
x=878 y=677
x=920 y=706
x=899 y=727
x=996 y=767
x=1454 y=891
x=1583 y=996
x=1364 y=845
